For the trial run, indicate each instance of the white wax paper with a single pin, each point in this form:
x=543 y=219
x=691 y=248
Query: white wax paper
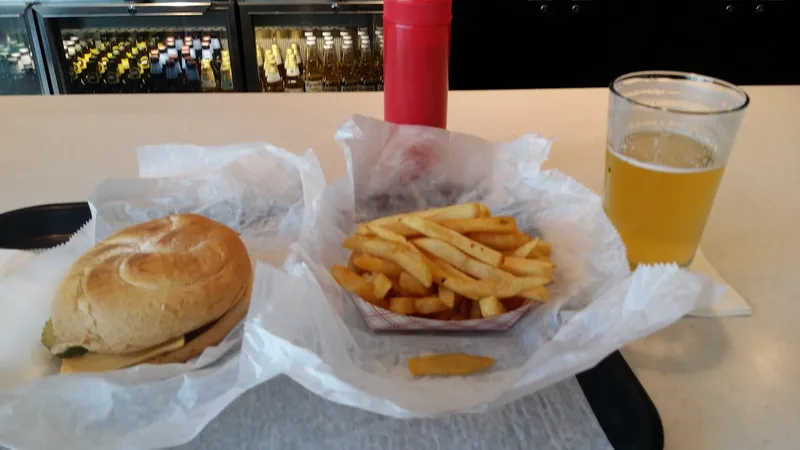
x=311 y=329
x=256 y=189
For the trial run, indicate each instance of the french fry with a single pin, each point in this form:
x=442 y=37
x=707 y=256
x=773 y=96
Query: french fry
x=394 y=223
x=482 y=266
x=429 y=305
x=545 y=259
x=448 y=364
x=402 y=305
x=485 y=224
x=537 y=293
x=475 y=311
x=525 y=249
x=478 y=289
x=522 y=266
x=377 y=265
x=381 y=285
x=460 y=260
x=352 y=282
x=544 y=248
x=443 y=270
x=363 y=230
x=499 y=241
x=412 y=262
x=466 y=245
x=447 y=297
x=491 y=307
x=410 y=286
x=389 y=235
x=351 y=263
x=512 y=303
x=461 y=211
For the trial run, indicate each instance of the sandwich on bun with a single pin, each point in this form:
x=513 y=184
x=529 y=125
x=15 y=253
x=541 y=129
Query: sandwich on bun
x=157 y=292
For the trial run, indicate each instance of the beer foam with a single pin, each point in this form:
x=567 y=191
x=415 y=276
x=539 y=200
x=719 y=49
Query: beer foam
x=661 y=168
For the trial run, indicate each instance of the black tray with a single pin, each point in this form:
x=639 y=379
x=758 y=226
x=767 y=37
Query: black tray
x=620 y=403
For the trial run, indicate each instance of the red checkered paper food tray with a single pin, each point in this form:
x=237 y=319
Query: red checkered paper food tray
x=379 y=319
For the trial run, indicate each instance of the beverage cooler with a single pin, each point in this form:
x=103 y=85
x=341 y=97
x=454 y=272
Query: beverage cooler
x=140 y=47
x=312 y=46
x=21 y=64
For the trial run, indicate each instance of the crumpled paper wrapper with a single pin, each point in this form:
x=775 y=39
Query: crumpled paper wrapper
x=311 y=330
x=256 y=189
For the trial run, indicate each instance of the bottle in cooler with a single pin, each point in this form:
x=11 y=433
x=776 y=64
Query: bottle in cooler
x=144 y=65
x=185 y=54
x=208 y=81
x=226 y=77
x=274 y=81
x=216 y=44
x=188 y=42
x=111 y=81
x=314 y=68
x=176 y=60
x=158 y=80
x=206 y=52
x=163 y=57
x=366 y=70
x=331 y=79
x=415 y=87
x=276 y=52
x=350 y=79
x=293 y=83
x=193 y=83
x=76 y=83
x=92 y=78
x=134 y=82
x=173 y=80
x=171 y=48
x=300 y=62
x=379 y=67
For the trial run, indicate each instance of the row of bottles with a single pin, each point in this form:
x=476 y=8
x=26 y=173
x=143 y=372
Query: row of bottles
x=346 y=68
x=147 y=62
x=17 y=69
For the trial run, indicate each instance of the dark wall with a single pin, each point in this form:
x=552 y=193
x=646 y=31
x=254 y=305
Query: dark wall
x=521 y=44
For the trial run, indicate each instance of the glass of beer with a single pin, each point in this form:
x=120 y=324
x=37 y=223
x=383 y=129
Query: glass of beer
x=669 y=138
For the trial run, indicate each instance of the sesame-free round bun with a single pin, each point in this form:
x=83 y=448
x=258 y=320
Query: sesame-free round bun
x=151 y=283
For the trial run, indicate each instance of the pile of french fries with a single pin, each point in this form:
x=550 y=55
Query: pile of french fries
x=452 y=263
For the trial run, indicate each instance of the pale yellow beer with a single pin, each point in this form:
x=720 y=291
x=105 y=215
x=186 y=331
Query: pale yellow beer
x=659 y=189
x=670 y=135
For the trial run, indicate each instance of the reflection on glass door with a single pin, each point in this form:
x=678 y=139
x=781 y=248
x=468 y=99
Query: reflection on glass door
x=18 y=72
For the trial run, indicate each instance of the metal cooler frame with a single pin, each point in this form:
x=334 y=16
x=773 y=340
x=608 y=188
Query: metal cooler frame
x=250 y=9
x=51 y=34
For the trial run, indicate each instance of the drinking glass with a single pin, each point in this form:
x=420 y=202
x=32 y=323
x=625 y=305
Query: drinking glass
x=669 y=138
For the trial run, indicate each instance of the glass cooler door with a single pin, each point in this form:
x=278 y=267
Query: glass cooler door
x=127 y=47
x=21 y=66
x=345 y=52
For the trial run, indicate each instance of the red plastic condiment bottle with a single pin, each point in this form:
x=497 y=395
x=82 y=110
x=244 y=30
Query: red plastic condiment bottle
x=416 y=59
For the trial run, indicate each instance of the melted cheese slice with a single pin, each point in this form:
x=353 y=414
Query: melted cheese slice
x=98 y=362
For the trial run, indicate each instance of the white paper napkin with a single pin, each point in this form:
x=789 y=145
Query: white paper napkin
x=10 y=260
x=729 y=304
